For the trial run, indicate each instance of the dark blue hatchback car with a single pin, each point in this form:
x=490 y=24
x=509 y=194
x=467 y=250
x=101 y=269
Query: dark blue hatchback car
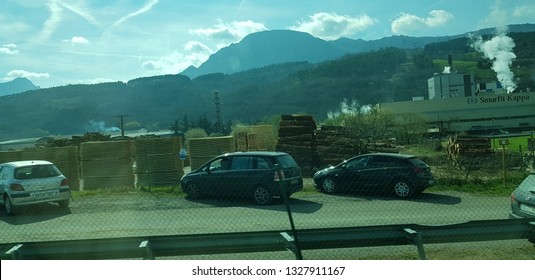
x=249 y=174
x=377 y=173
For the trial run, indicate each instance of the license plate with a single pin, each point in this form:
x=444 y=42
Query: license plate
x=44 y=195
x=527 y=208
x=293 y=182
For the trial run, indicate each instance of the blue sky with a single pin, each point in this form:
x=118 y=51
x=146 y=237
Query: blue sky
x=60 y=42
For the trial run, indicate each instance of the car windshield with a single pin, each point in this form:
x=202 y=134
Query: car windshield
x=244 y=130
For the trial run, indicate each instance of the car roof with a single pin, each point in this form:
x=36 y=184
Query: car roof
x=26 y=163
x=256 y=153
x=404 y=156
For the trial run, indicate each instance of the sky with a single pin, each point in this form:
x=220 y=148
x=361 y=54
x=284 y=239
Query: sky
x=61 y=42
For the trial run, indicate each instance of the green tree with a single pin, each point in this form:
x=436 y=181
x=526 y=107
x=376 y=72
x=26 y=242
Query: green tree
x=411 y=127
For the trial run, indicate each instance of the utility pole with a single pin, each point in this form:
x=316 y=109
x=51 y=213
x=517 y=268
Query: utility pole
x=121 y=124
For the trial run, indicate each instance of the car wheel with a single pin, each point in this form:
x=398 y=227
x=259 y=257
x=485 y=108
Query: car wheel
x=64 y=203
x=403 y=189
x=262 y=196
x=8 y=206
x=328 y=185
x=193 y=191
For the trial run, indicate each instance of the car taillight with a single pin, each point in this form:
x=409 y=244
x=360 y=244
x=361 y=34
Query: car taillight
x=16 y=187
x=64 y=182
x=513 y=198
x=276 y=177
x=417 y=170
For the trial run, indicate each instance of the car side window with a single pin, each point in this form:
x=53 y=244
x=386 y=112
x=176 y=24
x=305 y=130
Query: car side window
x=219 y=164
x=358 y=163
x=262 y=163
x=381 y=161
x=240 y=163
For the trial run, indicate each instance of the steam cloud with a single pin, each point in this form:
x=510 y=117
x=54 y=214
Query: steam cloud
x=499 y=49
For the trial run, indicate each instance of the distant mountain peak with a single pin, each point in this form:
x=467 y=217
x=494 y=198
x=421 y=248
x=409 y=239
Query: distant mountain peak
x=265 y=48
x=17 y=85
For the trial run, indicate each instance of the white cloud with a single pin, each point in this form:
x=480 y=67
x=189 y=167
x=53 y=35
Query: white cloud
x=496 y=18
x=172 y=63
x=97 y=81
x=229 y=32
x=196 y=46
x=524 y=11
x=57 y=10
x=406 y=23
x=195 y=54
x=52 y=23
x=77 y=40
x=26 y=74
x=9 y=49
x=331 y=26
x=147 y=7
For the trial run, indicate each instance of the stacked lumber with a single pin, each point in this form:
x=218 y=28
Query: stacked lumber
x=462 y=150
x=201 y=150
x=296 y=137
x=157 y=161
x=333 y=145
x=74 y=140
x=262 y=137
x=106 y=165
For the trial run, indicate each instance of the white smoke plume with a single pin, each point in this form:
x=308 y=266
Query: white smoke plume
x=499 y=50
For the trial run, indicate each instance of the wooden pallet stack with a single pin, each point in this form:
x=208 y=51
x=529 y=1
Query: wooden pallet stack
x=465 y=150
x=333 y=145
x=296 y=137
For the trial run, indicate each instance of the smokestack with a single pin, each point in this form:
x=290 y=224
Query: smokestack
x=450 y=61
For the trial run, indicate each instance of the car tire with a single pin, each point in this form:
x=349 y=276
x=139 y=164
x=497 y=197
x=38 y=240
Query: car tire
x=328 y=185
x=262 y=196
x=8 y=206
x=402 y=189
x=193 y=191
x=64 y=203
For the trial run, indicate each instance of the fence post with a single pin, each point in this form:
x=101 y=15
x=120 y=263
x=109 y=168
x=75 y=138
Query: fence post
x=284 y=194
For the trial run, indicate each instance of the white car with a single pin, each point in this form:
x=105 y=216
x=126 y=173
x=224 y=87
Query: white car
x=32 y=182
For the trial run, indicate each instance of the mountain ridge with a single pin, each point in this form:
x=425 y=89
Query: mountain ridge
x=281 y=46
x=17 y=85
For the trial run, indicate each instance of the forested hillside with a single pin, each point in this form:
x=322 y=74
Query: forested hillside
x=384 y=75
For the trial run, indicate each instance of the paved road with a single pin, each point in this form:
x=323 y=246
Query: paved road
x=142 y=214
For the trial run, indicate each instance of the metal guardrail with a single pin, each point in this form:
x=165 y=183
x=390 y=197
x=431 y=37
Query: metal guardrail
x=151 y=247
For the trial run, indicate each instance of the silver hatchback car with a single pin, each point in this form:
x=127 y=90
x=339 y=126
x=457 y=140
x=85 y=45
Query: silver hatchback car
x=32 y=182
x=523 y=199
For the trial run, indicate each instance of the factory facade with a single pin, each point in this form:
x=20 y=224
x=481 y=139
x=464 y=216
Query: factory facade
x=457 y=102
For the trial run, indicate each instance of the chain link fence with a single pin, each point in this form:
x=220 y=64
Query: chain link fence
x=132 y=188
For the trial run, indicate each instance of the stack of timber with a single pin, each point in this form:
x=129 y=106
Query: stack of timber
x=264 y=136
x=466 y=150
x=73 y=141
x=296 y=137
x=201 y=150
x=157 y=161
x=256 y=138
x=333 y=145
x=106 y=165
